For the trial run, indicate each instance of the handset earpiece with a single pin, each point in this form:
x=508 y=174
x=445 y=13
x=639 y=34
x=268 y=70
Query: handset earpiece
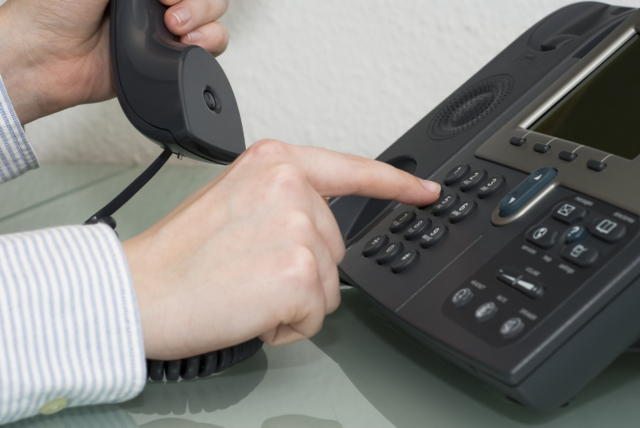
x=176 y=95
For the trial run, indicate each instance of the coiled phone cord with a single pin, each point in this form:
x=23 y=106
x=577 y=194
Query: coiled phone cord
x=187 y=368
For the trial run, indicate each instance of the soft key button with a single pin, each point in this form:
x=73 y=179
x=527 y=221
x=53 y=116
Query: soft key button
x=456 y=174
x=402 y=221
x=415 y=230
x=473 y=180
x=608 y=230
x=526 y=190
x=580 y=254
x=542 y=236
x=569 y=213
x=374 y=245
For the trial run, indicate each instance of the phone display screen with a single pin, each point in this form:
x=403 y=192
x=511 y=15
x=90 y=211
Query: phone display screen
x=603 y=111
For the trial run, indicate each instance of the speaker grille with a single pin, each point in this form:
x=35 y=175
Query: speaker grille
x=470 y=107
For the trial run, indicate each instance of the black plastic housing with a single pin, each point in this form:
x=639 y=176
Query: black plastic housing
x=161 y=86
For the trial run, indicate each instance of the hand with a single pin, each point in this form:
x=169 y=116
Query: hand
x=254 y=252
x=54 y=54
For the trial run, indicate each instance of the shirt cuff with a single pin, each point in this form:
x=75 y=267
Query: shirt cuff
x=69 y=321
x=16 y=154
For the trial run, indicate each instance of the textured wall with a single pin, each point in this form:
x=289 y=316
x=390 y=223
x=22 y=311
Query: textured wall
x=347 y=75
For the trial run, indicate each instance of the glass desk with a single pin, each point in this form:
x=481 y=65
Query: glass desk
x=359 y=371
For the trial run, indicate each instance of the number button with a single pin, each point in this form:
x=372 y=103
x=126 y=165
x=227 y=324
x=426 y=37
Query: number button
x=491 y=187
x=446 y=203
x=389 y=252
x=405 y=261
x=433 y=236
x=456 y=174
x=462 y=212
x=415 y=230
x=473 y=180
x=402 y=221
x=374 y=245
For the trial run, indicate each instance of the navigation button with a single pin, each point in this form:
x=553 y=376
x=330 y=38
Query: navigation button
x=402 y=221
x=525 y=191
x=473 y=180
x=405 y=261
x=608 y=230
x=462 y=212
x=575 y=234
x=511 y=328
x=389 y=253
x=569 y=213
x=580 y=255
x=517 y=141
x=486 y=311
x=542 y=236
x=490 y=187
x=446 y=203
x=456 y=174
x=374 y=245
x=415 y=230
x=462 y=297
x=541 y=148
x=433 y=235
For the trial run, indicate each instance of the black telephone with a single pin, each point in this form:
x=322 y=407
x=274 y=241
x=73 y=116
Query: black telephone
x=526 y=273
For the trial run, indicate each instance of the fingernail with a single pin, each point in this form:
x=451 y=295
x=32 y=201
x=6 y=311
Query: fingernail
x=183 y=15
x=431 y=186
x=192 y=37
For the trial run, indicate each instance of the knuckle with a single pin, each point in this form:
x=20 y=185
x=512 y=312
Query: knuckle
x=302 y=267
x=268 y=150
x=285 y=180
x=298 y=223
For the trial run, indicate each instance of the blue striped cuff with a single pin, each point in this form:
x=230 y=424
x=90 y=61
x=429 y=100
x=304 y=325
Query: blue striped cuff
x=16 y=154
x=69 y=322
x=107 y=416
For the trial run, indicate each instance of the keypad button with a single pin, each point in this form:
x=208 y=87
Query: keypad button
x=608 y=230
x=541 y=148
x=596 y=165
x=490 y=187
x=415 y=230
x=567 y=156
x=456 y=174
x=462 y=297
x=389 y=252
x=374 y=245
x=569 y=213
x=486 y=311
x=517 y=141
x=402 y=221
x=404 y=261
x=475 y=178
x=464 y=210
x=526 y=190
x=511 y=328
x=542 y=236
x=580 y=255
x=575 y=234
x=446 y=203
x=433 y=235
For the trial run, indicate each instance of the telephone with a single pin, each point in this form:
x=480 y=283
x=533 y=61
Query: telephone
x=526 y=272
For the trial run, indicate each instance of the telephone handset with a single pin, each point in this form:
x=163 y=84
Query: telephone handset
x=178 y=96
x=526 y=272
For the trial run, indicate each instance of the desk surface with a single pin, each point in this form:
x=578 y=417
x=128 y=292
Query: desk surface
x=359 y=371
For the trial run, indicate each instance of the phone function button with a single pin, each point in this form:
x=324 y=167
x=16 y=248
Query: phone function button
x=575 y=234
x=580 y=255
x=569 y=213
x=456 y=174
x=415 y=230
x=374 y=245
x=596 y=165
x=473 y=180
x=509 y=275
x=446 y=203
x=567 y=156
x=608 y=230
x=511 y=328
x=434 y=235
x=526 y=190
x=517 y=141
x=490 y=187
x=405 y=261
x=541 y=148
x=486 y=311
x=542 y=236
x=462 y=297
x=389 y=252
x=521 y=282
x=463 y=211
x=402 y=221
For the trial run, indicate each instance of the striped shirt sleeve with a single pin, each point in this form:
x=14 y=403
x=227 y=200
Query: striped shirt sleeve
x=69 y=322
x=16 y=154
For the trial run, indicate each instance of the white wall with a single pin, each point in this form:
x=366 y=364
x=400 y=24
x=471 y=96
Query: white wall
x=350 y=75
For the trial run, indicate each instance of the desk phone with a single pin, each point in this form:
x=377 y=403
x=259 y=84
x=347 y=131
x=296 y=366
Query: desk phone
x=526 y=271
